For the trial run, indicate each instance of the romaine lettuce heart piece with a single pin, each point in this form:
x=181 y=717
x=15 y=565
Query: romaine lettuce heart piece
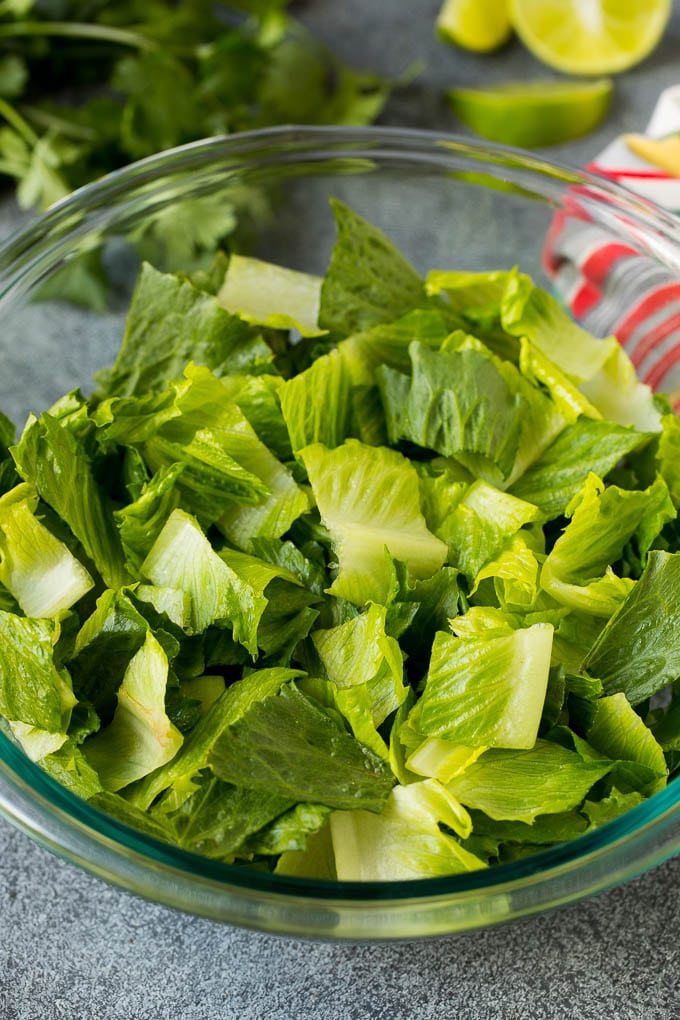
x=406 y=841
x=316 y=403
x=270 y=295
x=36 y=697
x=140 y=737
x=369 y=500
x=39 y=570
x=486 y=691
x=183 y=558
x=577 y=572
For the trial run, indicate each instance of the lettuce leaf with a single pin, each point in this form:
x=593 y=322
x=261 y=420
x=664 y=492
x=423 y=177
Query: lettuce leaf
x=192 y=756
x=56 y=463
x=286 y=744
x=584 y=446
x=270 y=295
x=310 y=420
x=369 y=499
x=183 y=558
x=633 y=654
x=577 y=572
x=170 y=322
x=600 y=368
x=520 y=785
x=140 y=737
x=486 y=691
x=481 y=524
x=618 y=732
x=368 y=281
x=405 y=842
x=40 y=571
x=36 y=697
x=216 y=818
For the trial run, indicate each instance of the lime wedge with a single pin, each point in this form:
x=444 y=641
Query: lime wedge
x=590 y=36
x=533 y=113
x=478 y=25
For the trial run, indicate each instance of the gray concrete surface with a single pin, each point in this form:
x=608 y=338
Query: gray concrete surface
x=72 y=948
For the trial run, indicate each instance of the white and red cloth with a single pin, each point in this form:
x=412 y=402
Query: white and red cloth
x=592 y=273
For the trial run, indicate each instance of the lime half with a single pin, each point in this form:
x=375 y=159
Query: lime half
x=478 y=25
x=590 y=36
x=536 y=113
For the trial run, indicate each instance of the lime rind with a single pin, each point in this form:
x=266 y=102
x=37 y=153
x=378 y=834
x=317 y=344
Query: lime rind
x=593 y=38
x=477 y=25
x=533 y=114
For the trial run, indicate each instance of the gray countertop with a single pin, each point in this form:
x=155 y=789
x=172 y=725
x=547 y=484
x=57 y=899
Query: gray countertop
x=72 y=947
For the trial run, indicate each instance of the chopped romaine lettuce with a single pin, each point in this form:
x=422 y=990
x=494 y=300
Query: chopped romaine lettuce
x=354 y=577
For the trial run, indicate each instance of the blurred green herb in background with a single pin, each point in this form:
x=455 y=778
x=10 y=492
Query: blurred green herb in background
x=87 y=86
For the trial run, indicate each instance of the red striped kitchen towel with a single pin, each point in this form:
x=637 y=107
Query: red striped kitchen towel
x=591 y=273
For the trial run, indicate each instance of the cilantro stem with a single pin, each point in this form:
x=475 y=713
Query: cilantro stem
x=79 y=30
x=11 y=168
x=51 y=121
x=21 y=126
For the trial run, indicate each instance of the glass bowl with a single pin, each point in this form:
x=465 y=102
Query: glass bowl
x=447 y=203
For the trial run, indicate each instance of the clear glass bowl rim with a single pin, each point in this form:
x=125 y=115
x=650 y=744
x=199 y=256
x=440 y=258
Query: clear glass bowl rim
x=645 y=835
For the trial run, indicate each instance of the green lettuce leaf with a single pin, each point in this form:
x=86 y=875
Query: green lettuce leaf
x=36 y=697
x=584 y=446
x=463 y=401
x=55 y=462
x=290 y=832
x=457 y=403
x=519 y=785
x=192 y=757
x=286 y=744
x=359 y=653
x=487 y=691
x=618 y=732
x=105 y=644
x=577 y=572
x=515 y=572
x=260 y=400
x=368 y=281
x=527 y=310
x=171 y=322
x=140 y=737
x=183 y=558
x=633 y=654
x=600 y=368
x=405 y=841
x=481 y=524
x=309 y=419
x=388 y=343
x=40 y=571
x=421 y=608
x=369 y=499
x=216 y=818
x=140 y=522
x=668 y=455
x=270 y=295
x=598 y=812
x=69 y=767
